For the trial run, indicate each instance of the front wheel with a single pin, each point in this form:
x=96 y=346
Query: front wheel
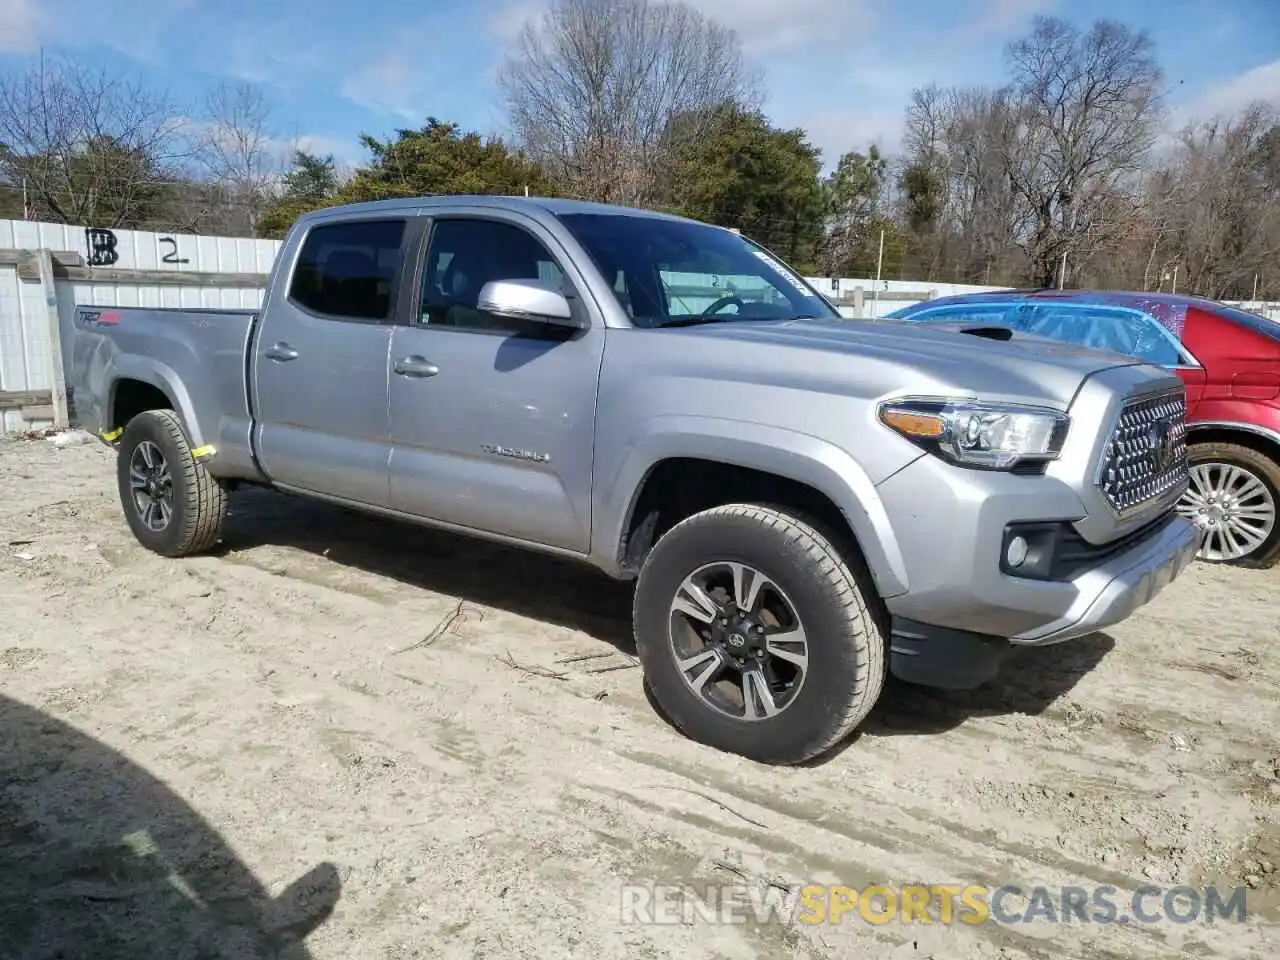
x=173 y=505
x=1233 y=497
x=755 y=635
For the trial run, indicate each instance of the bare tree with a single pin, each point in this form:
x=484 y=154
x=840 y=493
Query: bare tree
x=1087 y=113
x=90 y=146
x=1222 y=214
x=961 y=204
x=592 y=86
x=235 y=143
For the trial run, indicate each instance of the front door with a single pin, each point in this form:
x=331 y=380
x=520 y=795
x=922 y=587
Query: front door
x=493 y=419
x=320 y=361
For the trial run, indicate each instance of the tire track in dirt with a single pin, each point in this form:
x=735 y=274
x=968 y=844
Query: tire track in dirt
x=315 y=708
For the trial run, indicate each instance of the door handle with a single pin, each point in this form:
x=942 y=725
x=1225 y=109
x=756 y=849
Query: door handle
x=281 y=351
x=415 y=366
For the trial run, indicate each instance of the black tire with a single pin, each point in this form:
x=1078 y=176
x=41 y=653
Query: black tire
x=1266 y=471
x=199 y=500
x=846 y=651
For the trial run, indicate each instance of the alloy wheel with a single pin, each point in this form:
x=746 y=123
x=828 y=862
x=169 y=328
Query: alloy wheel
x=1234 y=508
x=738 y=641
x=152 y=485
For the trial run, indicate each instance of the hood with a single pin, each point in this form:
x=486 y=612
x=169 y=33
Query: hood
x=898 y=354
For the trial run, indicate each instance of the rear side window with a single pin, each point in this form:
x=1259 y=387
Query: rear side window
x=348 y=270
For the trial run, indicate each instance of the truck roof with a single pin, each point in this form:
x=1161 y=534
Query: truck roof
x=556 y=206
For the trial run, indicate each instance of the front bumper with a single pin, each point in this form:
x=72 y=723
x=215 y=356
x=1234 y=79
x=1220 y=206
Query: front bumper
x=1109 y=593
x=961 y=609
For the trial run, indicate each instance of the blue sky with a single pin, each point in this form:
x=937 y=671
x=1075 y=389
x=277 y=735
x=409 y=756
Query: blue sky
x=843 y=69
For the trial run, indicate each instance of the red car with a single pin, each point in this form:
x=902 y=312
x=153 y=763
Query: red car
x=1230 y=362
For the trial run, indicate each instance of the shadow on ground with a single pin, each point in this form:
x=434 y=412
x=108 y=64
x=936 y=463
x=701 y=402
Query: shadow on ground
x=575 y=596
x=99 y=860
x=534 y=585
x=1029 y=682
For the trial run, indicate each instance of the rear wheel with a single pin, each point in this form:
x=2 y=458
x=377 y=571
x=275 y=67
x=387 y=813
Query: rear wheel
x=755 y=635
x=1234 y=498
x=173 y=505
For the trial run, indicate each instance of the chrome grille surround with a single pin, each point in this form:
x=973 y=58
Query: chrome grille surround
x=1144 y=463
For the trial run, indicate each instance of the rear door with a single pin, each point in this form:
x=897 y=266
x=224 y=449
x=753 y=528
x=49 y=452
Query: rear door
x=320 y=363
x=493 y=419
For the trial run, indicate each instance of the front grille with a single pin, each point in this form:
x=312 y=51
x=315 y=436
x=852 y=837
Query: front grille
x=1145 y=461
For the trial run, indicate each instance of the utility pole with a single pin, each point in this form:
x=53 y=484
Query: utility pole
x=875 y=296
x=1062 y=272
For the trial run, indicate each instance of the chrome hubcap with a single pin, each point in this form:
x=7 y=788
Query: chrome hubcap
x=738 y=641
x=152 y=486
x=1234 y=509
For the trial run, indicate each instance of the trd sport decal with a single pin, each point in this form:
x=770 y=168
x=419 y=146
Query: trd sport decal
x=108 y=318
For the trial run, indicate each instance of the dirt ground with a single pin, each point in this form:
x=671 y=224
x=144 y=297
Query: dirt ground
x=395 y=743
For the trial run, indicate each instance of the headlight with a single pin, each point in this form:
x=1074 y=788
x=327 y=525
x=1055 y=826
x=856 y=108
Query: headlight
x=967 y=432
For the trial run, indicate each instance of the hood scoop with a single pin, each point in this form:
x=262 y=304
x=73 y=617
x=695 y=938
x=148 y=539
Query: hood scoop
x=988 y=333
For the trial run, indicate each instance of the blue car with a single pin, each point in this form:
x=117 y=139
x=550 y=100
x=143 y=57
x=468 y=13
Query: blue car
x=1123 y=323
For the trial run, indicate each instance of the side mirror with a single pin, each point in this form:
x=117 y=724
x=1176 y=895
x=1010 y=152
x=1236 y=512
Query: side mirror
x=535 y=300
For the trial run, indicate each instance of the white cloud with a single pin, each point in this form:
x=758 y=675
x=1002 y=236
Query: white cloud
x=136 y=28
x=19 y=27
x=998 y=18
x=764 y=26
x=272 y=53
x=839 y=131
x=280 y=146
x=1231 y=96
x=774 y=26
x=506 y=24
x=393 y=83
x=346 y=153
x=412 y=74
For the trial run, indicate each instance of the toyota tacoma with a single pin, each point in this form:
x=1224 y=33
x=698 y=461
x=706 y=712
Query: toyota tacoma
x=806 y=504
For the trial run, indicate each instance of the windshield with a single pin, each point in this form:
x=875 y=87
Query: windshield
x=671 y=272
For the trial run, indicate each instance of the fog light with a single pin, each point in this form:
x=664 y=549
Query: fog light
x=1016 y=552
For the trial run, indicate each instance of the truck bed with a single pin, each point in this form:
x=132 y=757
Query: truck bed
x=195 y=357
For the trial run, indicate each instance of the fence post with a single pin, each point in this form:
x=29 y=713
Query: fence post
x=58 y=385
x=858 y=293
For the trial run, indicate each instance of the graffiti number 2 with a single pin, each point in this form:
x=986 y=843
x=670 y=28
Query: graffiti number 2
x=171 y=256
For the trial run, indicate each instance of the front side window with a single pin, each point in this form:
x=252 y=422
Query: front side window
x=465 y=254
x=348 y=270
x=672 y=272
x=1130 y=333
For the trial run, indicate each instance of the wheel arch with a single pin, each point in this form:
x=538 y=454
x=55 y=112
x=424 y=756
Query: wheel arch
x=1261 y=439
x=139 y=386
x=708 y=463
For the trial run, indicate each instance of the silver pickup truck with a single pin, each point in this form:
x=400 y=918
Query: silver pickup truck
x=805 y=503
